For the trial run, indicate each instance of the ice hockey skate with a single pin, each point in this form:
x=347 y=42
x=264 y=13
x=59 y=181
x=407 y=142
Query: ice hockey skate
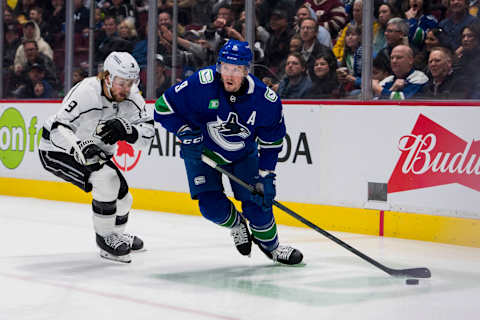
x=136 y=244
x=114 y=247
x=242 y=238
x=283 y=254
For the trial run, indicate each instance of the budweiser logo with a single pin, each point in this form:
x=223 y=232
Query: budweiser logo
x=433 y=156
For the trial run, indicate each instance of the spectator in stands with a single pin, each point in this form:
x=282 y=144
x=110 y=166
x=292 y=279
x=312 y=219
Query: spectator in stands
x=22 y=9
x=295 y=44
x=458 y=19
x=356 y=21
x=435 y=37
x=396 y=34
x=108 y=41
x=36 y=15
x=261 y=38
x=56 y=19
x=468 y=52
x=323 y=35
x=296 y=81
x=31 y=31
x=276 y=48
x=35 y=85
x=380 y=70
x=81 y=16
x=444 y=83
x=406 y=82
x=222 y=28
x=194 y=54
x=264 y=9
x=78 y=75
x=468 y=56
x=385 y=13
x=473 y=8
x=9 y=17
x=162 y=79
x=198 y=11
x=330 y=14
x=11 y=43
x=33 y=56
x=127 y=31
x=350 y=73
x=186 y=59
x=120 y=9
x=323 y=76
x=311 y=47
x=419 y=22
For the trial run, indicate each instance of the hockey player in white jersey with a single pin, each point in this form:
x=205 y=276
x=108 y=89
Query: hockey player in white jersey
x=79 y=140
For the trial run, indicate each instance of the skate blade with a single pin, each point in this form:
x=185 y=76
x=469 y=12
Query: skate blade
x=125 y=259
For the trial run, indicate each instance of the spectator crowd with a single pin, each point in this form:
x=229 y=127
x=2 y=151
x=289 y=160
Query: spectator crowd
x=312 y=49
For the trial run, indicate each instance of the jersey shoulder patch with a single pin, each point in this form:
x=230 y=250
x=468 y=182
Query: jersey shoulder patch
x=270 y=95
x=206 y=76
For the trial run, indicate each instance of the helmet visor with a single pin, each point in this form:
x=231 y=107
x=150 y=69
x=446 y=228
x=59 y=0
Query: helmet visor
x=228 y=69
x=124 y=83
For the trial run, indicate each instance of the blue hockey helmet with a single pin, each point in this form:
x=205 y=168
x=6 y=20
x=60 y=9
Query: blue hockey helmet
x=235 y=52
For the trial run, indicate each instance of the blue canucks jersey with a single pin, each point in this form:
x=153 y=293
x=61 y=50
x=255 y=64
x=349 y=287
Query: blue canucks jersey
x=232 y=125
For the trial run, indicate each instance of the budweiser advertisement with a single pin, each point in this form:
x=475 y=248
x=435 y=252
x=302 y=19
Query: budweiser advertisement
x=432 y=155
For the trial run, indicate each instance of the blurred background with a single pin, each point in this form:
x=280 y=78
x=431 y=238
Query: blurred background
x=303 y=49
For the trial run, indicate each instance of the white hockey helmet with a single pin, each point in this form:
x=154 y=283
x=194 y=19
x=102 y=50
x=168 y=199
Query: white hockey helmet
x=122 y=65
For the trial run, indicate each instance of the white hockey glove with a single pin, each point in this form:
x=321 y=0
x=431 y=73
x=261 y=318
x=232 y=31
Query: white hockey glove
x=87 y=153
x=117 y=129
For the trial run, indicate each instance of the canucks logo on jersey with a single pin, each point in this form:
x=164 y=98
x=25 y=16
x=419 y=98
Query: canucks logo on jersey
x=224 y=133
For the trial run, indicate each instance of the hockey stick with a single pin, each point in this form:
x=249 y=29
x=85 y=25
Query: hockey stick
x=412 y=273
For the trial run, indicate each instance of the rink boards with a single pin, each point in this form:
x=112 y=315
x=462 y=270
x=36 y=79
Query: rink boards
x=408 y=170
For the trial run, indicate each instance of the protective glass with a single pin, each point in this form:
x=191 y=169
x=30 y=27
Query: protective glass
x=228 y=69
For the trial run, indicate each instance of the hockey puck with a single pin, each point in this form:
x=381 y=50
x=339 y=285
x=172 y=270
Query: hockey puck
x=411 y=281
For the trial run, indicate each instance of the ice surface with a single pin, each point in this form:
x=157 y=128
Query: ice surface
x=50 y=269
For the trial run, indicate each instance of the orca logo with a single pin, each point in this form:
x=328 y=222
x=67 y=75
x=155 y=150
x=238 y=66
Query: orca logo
x=224 y=133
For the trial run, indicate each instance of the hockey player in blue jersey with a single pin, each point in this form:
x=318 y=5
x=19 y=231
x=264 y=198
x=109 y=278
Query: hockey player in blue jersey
x=229 y=115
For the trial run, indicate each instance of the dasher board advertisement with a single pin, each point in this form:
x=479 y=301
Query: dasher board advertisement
x=421 y=159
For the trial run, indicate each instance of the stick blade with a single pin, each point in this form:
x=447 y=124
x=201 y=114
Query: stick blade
x=412 y=273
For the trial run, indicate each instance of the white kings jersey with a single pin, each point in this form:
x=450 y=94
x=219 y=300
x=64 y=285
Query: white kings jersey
x=85 y=107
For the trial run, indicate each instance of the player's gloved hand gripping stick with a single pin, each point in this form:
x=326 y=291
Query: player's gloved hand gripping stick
x=265 y=190
x=192 y=143
x=117 y=129
x=85 y=152
x=411 y=273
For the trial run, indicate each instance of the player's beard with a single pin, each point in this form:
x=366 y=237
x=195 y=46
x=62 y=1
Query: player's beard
x=119 y=97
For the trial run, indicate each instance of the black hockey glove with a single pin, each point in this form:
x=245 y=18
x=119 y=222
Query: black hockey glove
x=265 y=191
x=116 y=130
x=192 y=143
x=88 y=153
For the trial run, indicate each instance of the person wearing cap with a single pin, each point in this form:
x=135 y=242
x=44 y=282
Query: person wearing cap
x=31 y=31
x=35 y=85
x=276 y=48
x=330 y=13
x=97 y=117
x=34 y=56
x=162 y=79
x=225 y=114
